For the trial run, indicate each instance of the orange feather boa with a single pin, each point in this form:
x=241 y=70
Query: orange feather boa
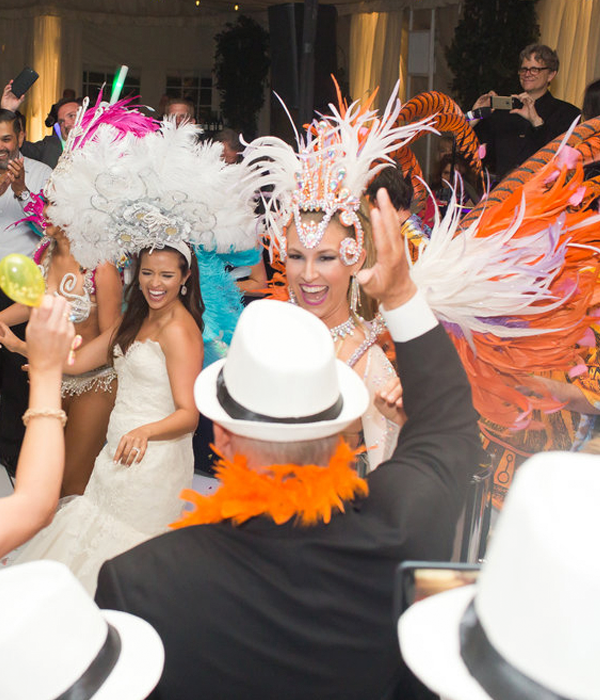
x=309 y=492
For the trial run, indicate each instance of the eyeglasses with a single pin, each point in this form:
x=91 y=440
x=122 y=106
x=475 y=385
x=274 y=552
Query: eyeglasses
x=534 y=70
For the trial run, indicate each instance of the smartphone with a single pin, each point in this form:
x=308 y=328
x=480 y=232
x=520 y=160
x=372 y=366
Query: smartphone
x=24 y=81
x=500 y=102
x=416 y=580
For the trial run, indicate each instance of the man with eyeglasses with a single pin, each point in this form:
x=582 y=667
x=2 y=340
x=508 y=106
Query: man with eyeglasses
x=512 y=136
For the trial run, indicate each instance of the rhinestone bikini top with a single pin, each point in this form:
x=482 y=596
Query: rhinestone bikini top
x=81 y=304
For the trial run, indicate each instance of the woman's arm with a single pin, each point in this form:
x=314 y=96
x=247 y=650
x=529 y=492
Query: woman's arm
x=92 y=355
x=41 y=461
x=570 y=394
x=10 y=341
x=184 y=353
x=256 y=280
x=15 y=314
x=109 y=295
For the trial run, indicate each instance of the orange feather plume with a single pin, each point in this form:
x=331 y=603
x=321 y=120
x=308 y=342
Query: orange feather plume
x=308 y=493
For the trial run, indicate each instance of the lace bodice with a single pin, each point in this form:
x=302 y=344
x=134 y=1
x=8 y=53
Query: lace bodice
x=144 y=391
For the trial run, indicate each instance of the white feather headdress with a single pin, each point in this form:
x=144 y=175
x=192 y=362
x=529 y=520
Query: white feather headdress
x=116 y=193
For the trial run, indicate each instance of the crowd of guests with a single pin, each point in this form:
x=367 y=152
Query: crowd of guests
x=280 y=584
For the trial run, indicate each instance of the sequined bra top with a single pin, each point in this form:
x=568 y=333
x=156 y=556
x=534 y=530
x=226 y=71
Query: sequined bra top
x=81 y=304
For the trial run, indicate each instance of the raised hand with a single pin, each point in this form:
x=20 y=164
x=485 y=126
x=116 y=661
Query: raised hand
x=389 y=279
x=9 y=99
x=16 y=175
x=528 y=111
x=49 y=335
x=388 y=401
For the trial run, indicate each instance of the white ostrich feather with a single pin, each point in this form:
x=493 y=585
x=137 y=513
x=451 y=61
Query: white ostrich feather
x=116 y=198
x=337 y=157
x=480 y=283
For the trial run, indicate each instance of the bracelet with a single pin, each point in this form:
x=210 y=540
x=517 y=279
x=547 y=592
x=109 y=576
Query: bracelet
x=45 y=413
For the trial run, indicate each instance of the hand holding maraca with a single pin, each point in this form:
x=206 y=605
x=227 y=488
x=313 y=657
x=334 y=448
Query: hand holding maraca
x=21 y=280
x=50 y=335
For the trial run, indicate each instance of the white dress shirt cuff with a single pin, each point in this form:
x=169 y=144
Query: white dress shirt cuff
x=410 y=320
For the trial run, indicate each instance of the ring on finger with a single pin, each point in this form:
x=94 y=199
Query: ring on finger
x=136 y=450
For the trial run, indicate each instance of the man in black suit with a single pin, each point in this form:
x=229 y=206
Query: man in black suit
x=513 y=136
x=49 y=149
x=286 y=592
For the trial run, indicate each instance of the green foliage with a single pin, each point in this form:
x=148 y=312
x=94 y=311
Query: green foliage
x=484 y=54
x=241 y=69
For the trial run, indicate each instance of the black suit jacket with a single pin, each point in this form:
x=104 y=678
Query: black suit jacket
x=511 y=139
x=270 y=612
x=48 y=150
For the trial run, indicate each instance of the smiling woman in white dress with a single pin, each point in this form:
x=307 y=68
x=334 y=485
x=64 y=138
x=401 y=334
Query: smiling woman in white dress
x=133 y=493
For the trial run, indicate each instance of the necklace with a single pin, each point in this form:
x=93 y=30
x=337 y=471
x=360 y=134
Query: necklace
x=374 y=328
x=343 y=329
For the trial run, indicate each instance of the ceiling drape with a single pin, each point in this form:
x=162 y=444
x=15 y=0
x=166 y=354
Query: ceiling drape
x=572 y=28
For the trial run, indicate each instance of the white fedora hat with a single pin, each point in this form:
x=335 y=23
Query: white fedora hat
x=530 y=627
x=280 y=381
x=56 y=644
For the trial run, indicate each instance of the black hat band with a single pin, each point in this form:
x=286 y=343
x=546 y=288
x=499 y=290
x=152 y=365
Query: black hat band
x=239 y=412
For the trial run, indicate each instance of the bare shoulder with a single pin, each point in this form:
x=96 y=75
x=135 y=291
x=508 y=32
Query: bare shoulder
x=106 y=273
x=181 y=332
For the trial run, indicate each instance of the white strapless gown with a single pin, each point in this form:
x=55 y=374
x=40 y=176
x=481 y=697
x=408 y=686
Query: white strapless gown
x=122 y=506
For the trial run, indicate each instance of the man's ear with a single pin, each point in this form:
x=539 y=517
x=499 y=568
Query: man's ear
x=223 y=441
x=21 y=138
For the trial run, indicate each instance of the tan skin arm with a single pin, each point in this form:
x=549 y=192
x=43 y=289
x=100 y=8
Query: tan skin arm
x=184 y=352
x=41 y=461
x=15 y=314
x=569 y=394
x=109 y=295
x=256 y=280
x=93 y=354
x=12 y=316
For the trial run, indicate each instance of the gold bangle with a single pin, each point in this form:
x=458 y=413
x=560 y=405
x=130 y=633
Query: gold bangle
x=45 y=413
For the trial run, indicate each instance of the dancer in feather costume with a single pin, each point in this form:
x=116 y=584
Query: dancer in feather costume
x=549 y=379
x=514 y=282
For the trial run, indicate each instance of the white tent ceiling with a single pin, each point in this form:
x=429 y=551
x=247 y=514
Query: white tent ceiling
x=187 y=10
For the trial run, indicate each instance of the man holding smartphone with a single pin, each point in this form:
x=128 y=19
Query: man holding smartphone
x=514 y=135
x=49 y=149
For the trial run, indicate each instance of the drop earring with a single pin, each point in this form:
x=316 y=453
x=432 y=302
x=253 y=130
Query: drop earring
x=183 y=290
x=293 y=299
x=354 y=294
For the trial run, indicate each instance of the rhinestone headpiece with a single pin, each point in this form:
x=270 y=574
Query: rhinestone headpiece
x=335 y=161
x=320 y=187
